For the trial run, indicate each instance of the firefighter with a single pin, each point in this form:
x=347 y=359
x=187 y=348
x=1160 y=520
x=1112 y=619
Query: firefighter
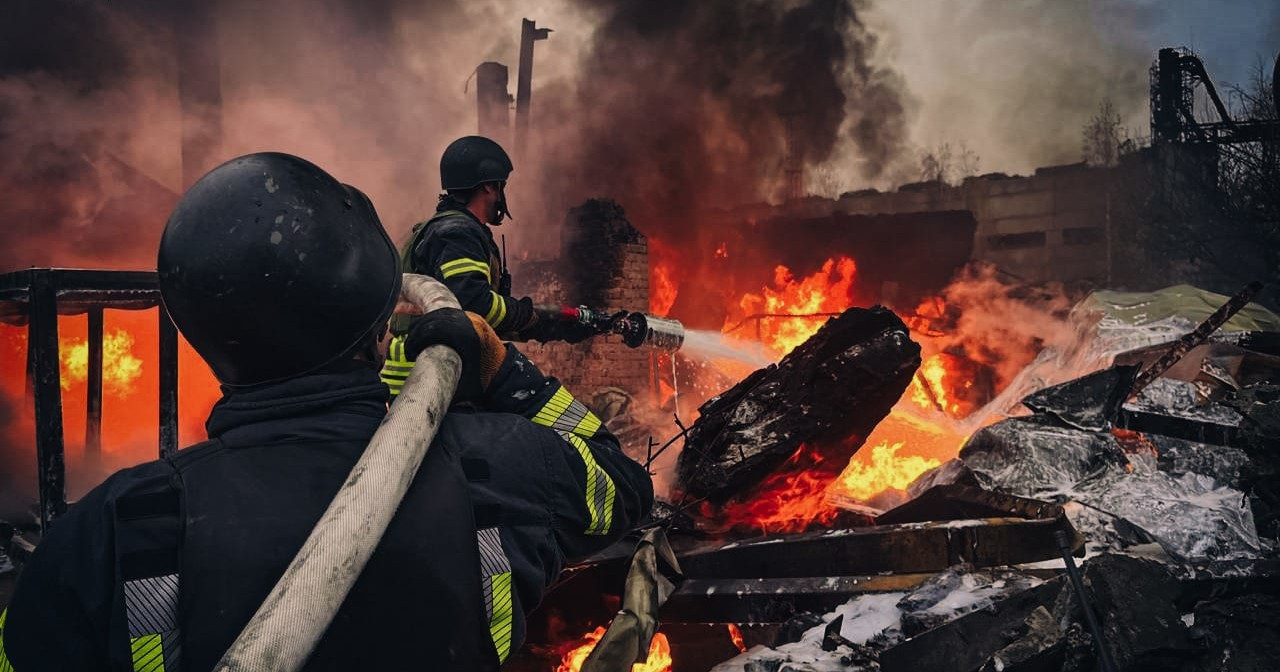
x=457 y=248
x=283 y=279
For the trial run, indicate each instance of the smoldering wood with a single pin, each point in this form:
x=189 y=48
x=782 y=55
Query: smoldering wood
x=831 y=392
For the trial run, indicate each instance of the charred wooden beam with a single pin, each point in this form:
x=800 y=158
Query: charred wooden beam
x=1197 y=336
x=831 y=391
x=908 y=548
x=774 y=600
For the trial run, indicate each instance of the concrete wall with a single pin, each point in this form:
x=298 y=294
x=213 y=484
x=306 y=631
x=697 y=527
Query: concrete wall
x=1048 y=226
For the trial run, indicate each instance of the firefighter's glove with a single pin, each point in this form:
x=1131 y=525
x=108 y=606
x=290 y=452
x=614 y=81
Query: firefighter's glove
x=467 y=334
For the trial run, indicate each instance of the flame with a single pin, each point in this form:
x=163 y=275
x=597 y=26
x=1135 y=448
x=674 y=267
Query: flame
x=792 y=499
x=816 y=296
x=130 y=400
x=735 y=634
x=659 y=654
x=866 y=478
x=923 y=429
x=662 y=279
x=121 y=368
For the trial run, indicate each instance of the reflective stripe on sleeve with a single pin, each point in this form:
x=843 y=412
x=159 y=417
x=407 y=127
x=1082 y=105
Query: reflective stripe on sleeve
x=396 y=369
x=460 y=266
x=497 y=310
x=151 y=609
x=495 y=577
x=563 y=413
x=600 y=488
x=5 y=665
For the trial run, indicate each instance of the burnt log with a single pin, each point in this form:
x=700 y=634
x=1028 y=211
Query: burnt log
x=829 y=392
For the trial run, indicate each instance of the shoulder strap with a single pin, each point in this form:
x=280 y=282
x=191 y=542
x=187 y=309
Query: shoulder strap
x=419 y=230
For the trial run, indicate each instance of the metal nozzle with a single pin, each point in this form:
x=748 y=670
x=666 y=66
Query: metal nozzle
x=639 y=329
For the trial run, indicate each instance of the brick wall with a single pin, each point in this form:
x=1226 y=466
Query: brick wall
x=604 y=263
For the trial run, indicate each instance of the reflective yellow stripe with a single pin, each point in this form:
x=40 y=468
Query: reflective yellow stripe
x=500 y=621
x=148 y=653
x=495 y=579
x=600 y=488
x=497 y=311
x=460 y=266
x=396 y=369
x=5 y=665
x=564 y=413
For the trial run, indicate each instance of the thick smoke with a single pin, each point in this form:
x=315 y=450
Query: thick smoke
x=686 y=106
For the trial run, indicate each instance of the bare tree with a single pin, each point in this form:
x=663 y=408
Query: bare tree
x=1104 y=136
x=947 y=164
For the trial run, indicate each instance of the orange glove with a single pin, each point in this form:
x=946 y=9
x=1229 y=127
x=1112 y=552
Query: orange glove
x=492 y=350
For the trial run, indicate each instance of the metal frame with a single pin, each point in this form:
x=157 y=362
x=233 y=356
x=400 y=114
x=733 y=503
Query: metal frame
x=36 y=297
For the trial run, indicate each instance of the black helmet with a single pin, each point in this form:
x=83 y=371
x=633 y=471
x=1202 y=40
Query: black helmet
x=471 y=161
x=272 y=269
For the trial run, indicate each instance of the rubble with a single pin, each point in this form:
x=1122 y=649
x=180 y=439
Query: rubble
x=838 y=384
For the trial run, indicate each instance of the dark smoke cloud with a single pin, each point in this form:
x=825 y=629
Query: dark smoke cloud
x=686 y=105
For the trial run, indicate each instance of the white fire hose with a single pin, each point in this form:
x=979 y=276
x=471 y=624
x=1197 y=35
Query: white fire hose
x=286 y=628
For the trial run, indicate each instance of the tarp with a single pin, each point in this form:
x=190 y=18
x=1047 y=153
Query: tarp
x=1141 y=309
x=1124 y=321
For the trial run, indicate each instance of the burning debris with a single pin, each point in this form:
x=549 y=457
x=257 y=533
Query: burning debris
x=839 y=384
x=1168 y=488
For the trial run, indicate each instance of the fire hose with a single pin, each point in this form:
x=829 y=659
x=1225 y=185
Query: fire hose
x=285 y=629
x=636 y=329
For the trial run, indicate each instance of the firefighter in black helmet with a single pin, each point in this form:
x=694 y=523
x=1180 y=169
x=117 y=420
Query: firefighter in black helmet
x=455 y=247
x=282 y=279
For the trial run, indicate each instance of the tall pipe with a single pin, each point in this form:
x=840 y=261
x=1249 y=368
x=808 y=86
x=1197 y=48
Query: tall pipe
x=529 y=33
x=295 y=615
x=493 y=102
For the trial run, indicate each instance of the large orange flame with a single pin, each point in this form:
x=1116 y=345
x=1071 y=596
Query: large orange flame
x=920 y=433
x=828 y=291
x=130 y=366
x=120 y=367
x=659 y=654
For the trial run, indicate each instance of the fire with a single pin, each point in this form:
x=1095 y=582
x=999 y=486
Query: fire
x=130 y=399
x=923 y=430
x=864 y=479
x=791 y=499
x=662 y=279
x=935 y=387
x=735 y=634
x=121 y=368
x=659 y=654
x=822 y=294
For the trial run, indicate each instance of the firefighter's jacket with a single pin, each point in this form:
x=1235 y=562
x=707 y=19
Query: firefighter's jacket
x=457 y=249
x=162 y=565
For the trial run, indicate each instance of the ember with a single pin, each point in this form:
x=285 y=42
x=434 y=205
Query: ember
x=659 y=654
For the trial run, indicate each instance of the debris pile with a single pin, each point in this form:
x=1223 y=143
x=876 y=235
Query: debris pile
x=1163 y=488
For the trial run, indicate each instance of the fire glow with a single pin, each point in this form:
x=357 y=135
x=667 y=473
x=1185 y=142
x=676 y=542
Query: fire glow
x=921 y=432
x=659 y=654
x=120 y=367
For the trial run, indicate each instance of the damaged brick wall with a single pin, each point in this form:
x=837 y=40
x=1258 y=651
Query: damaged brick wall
x=604 y=264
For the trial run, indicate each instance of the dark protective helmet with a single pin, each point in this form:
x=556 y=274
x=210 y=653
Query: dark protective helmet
x=471 y=161
x=272 y=269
